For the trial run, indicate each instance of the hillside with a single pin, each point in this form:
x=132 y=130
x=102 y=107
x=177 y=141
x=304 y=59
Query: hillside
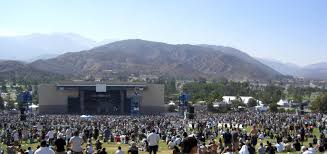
x=139 y=56
x=25 y=48
x=284 y=68
x=313 y=71
x=19 y=71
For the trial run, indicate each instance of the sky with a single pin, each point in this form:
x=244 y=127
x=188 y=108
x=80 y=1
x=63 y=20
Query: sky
x=293 y=31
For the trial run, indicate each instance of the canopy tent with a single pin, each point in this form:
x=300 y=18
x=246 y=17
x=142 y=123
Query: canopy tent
x=33 y=106
x=171 y=103
x=86 y=116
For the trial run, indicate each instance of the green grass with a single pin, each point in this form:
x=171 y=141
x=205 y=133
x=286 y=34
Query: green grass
x=110 y=147
x=163 y=148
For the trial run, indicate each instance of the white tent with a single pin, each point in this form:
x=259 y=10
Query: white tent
x=33 y=106
x=86 y=116
x=171 y=103
x=261 y=108
x=282 y=102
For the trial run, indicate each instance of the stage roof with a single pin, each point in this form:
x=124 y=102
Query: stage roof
x=91 y=84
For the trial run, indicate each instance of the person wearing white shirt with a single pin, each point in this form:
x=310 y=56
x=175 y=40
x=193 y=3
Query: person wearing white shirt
x=171 y=145
x=178 y=140
x=261 y=136
x=119 y=151
x=29 y=150
x=279 y=147
x=244 y=150
x=76 y=143
x=16 y=136
x=68 y=134
x=44 y=149
x=311 y=149
x=153 y=140
x=50 y=136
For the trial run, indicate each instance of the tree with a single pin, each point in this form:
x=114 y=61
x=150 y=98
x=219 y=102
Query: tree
x=4 y=88
x=273 y=107
x=320 y=104
x=10 y=105
x=214 y=96
x=252 y=102
x=2 y=104
x=236 y=103
x=171 y=108
x=210 y=107
x=202 y=80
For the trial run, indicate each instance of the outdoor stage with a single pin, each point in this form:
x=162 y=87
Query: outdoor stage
x=101 y=98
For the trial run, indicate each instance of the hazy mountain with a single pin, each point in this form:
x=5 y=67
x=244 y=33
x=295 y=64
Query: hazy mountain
x=139 y=56
x=19 y=71
x=42 y=57
x=314 y=71
x=322 y=65
x=241 y=55
x=34 y=45
x=284 y=68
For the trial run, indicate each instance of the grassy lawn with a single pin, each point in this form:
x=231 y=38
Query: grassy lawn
x=163 y=148
x=110 y=147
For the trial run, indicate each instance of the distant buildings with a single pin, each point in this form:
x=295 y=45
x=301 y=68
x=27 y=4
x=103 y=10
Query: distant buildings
x=284 y=103
x=244 y=99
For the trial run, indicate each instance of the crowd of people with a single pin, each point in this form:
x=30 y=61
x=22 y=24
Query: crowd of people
x=245 y=132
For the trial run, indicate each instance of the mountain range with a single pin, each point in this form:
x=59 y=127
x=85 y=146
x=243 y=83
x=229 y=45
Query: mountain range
x=146 y=57
x=35 y=46
x=19 y=71
x=316 y=71
x=73 y=55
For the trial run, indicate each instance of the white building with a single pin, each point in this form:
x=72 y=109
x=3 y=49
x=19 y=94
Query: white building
x=244 y=99
x=284 y=103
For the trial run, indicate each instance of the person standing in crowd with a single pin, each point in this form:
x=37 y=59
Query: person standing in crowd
x=44 y=149
x=50 y=136
x=235 y=139
x=106 y=134
x=153 y=141
x=60 y=144
x=227 y=138
x=189 y=145
x=76 y=143
x=68 y=134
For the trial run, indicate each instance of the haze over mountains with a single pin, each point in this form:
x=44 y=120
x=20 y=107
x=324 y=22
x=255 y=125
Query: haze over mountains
x=40 y=46
x=316 y=71
x=146 y=57
x=71 y=54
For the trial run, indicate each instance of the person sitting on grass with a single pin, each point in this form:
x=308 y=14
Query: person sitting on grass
x=60 y=144
x=119 y=151
x=133 y=149
x=103 y=151
x=98 y=145
x=29 y=150
x=44 y=149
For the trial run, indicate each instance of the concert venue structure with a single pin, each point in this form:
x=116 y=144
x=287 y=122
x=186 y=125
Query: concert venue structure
x=101 y=98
